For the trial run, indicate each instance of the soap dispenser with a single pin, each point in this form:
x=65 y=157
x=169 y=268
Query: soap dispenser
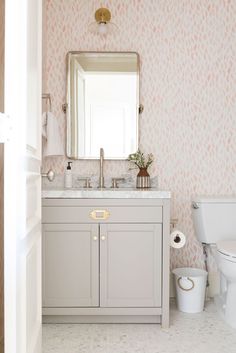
x=68 y=176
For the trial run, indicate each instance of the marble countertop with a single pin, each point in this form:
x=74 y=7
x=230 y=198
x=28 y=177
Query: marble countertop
x=119 y=193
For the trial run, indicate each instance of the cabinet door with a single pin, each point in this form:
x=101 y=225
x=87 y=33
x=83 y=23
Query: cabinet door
x=130 y=265
x=70 y=265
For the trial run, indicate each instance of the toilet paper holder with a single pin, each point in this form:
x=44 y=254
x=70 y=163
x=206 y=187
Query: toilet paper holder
x=178 y=239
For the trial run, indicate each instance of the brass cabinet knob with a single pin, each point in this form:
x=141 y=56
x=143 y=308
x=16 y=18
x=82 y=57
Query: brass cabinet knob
x=95 y=238
x=103 y=237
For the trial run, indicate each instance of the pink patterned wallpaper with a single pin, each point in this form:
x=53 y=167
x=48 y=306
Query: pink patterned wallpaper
x=188 y=88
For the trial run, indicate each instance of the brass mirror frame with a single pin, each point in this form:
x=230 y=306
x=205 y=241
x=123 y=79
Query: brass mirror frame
x=67 y=110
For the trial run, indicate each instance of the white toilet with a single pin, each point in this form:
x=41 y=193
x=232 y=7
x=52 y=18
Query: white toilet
x=215 y=224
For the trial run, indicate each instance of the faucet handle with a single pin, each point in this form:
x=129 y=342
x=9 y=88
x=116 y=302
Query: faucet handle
x=87 y=181
x=115 y=182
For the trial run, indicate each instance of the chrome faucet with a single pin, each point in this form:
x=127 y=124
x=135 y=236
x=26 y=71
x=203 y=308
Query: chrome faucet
x=101 y=178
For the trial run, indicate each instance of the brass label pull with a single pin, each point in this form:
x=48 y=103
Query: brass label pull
x=100 y=214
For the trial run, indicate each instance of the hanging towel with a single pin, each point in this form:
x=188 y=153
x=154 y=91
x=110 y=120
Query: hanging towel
x=44 y=125
x=5 y=127
x=52 y=139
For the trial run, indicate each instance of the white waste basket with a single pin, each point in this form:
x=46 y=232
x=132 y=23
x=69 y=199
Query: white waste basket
x=190 y=289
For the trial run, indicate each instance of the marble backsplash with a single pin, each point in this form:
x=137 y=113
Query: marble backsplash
x=78 y=181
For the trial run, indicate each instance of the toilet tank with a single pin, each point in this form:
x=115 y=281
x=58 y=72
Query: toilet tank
x=214 y=218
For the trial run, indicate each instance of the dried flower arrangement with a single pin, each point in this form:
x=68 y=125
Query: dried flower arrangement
x=140 y=160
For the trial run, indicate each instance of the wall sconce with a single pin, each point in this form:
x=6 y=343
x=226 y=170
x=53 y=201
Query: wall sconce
x=102 y=26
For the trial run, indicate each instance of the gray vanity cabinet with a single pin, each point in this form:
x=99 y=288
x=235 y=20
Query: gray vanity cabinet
x=130 y=265
x=106 y=260
x=70 y=265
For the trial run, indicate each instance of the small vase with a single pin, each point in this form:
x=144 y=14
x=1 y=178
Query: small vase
x=143 y=179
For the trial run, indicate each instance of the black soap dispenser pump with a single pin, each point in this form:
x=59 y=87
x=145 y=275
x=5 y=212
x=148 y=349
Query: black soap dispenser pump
x=68 y=176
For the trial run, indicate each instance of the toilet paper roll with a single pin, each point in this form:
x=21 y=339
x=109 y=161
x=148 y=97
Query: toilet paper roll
x=177 y=239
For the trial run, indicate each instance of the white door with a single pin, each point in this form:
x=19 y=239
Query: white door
x=22 y=204
x=130 y=265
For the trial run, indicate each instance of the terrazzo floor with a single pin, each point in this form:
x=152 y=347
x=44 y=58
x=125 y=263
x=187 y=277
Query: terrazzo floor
x=195 y=333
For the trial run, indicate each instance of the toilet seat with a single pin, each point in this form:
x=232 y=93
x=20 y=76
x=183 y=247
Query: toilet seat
x=227 y=249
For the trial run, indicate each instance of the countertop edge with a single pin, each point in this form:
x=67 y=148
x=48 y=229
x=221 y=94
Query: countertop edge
x=106 y=194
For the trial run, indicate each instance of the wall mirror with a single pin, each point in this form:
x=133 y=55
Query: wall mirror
x=102 y=104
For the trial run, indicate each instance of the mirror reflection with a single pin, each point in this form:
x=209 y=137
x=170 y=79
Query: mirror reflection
x=102 y=104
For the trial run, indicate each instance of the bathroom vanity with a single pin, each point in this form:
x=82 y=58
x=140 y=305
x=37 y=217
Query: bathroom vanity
x=106 y=256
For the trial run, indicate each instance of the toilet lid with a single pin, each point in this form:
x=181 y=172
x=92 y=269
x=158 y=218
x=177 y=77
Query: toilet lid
x=227 y=247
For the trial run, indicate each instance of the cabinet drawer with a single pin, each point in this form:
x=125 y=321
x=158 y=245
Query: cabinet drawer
x=102 y=214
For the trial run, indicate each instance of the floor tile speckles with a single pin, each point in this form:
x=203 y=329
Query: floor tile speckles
x=195 y=333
